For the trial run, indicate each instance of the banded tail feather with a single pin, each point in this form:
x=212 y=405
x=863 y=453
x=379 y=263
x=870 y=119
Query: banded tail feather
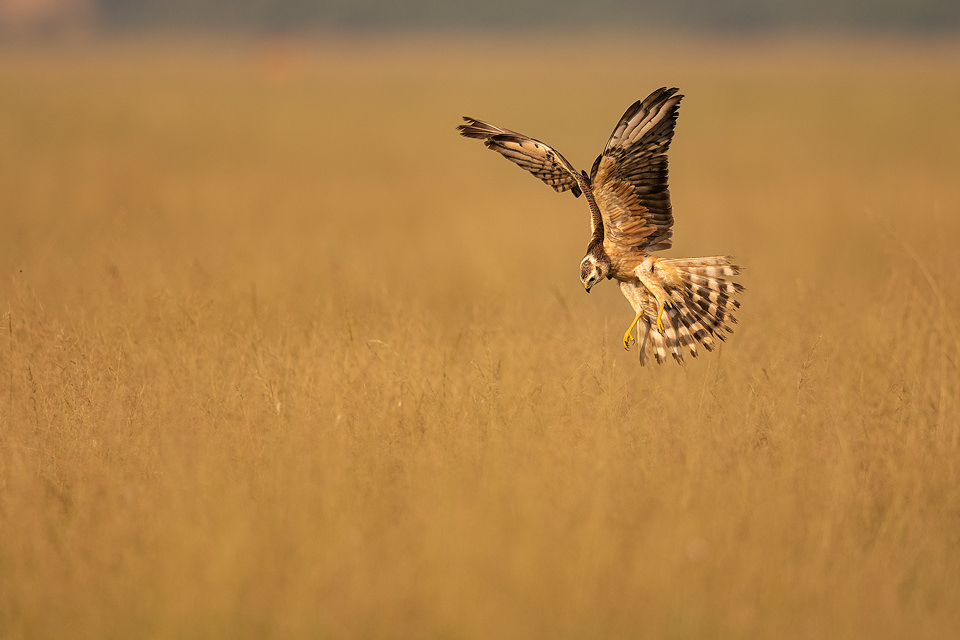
x=700 y=310
x=707 y=293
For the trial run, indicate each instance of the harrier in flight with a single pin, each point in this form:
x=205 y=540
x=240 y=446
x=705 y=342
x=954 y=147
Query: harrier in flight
x=678 y=302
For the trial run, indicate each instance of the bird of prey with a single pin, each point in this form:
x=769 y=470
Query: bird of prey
x=679 y=303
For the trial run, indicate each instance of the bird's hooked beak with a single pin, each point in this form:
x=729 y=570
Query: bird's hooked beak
x=586 y=288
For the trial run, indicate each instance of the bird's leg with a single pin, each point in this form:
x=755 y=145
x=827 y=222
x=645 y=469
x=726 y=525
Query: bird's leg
x=659 y=319
x=654 y=283
x=627 y=338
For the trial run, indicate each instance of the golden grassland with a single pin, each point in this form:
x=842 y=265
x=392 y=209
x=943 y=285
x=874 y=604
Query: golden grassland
x=282 y=356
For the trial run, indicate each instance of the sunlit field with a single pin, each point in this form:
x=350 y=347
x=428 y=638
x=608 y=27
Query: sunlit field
x=283 y=356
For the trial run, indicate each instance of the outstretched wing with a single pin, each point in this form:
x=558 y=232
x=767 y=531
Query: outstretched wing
x=630 y=177
x=536 y=157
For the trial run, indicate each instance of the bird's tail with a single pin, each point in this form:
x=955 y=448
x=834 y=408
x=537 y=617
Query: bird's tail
x=701 y=309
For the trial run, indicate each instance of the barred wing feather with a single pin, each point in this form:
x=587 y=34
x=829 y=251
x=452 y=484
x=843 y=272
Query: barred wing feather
x=630 y=177
x=536 y=157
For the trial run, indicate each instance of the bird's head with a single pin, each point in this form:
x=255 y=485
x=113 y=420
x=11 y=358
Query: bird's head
x=593 y=269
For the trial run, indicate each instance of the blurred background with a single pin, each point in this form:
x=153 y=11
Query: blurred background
x=34 y=17
x=286 y=357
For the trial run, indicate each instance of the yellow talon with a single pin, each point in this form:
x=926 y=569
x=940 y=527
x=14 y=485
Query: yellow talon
x=659 y=321
x=627 y=338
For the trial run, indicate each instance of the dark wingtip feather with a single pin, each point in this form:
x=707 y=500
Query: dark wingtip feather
x=476 y=129
x=467 y=132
